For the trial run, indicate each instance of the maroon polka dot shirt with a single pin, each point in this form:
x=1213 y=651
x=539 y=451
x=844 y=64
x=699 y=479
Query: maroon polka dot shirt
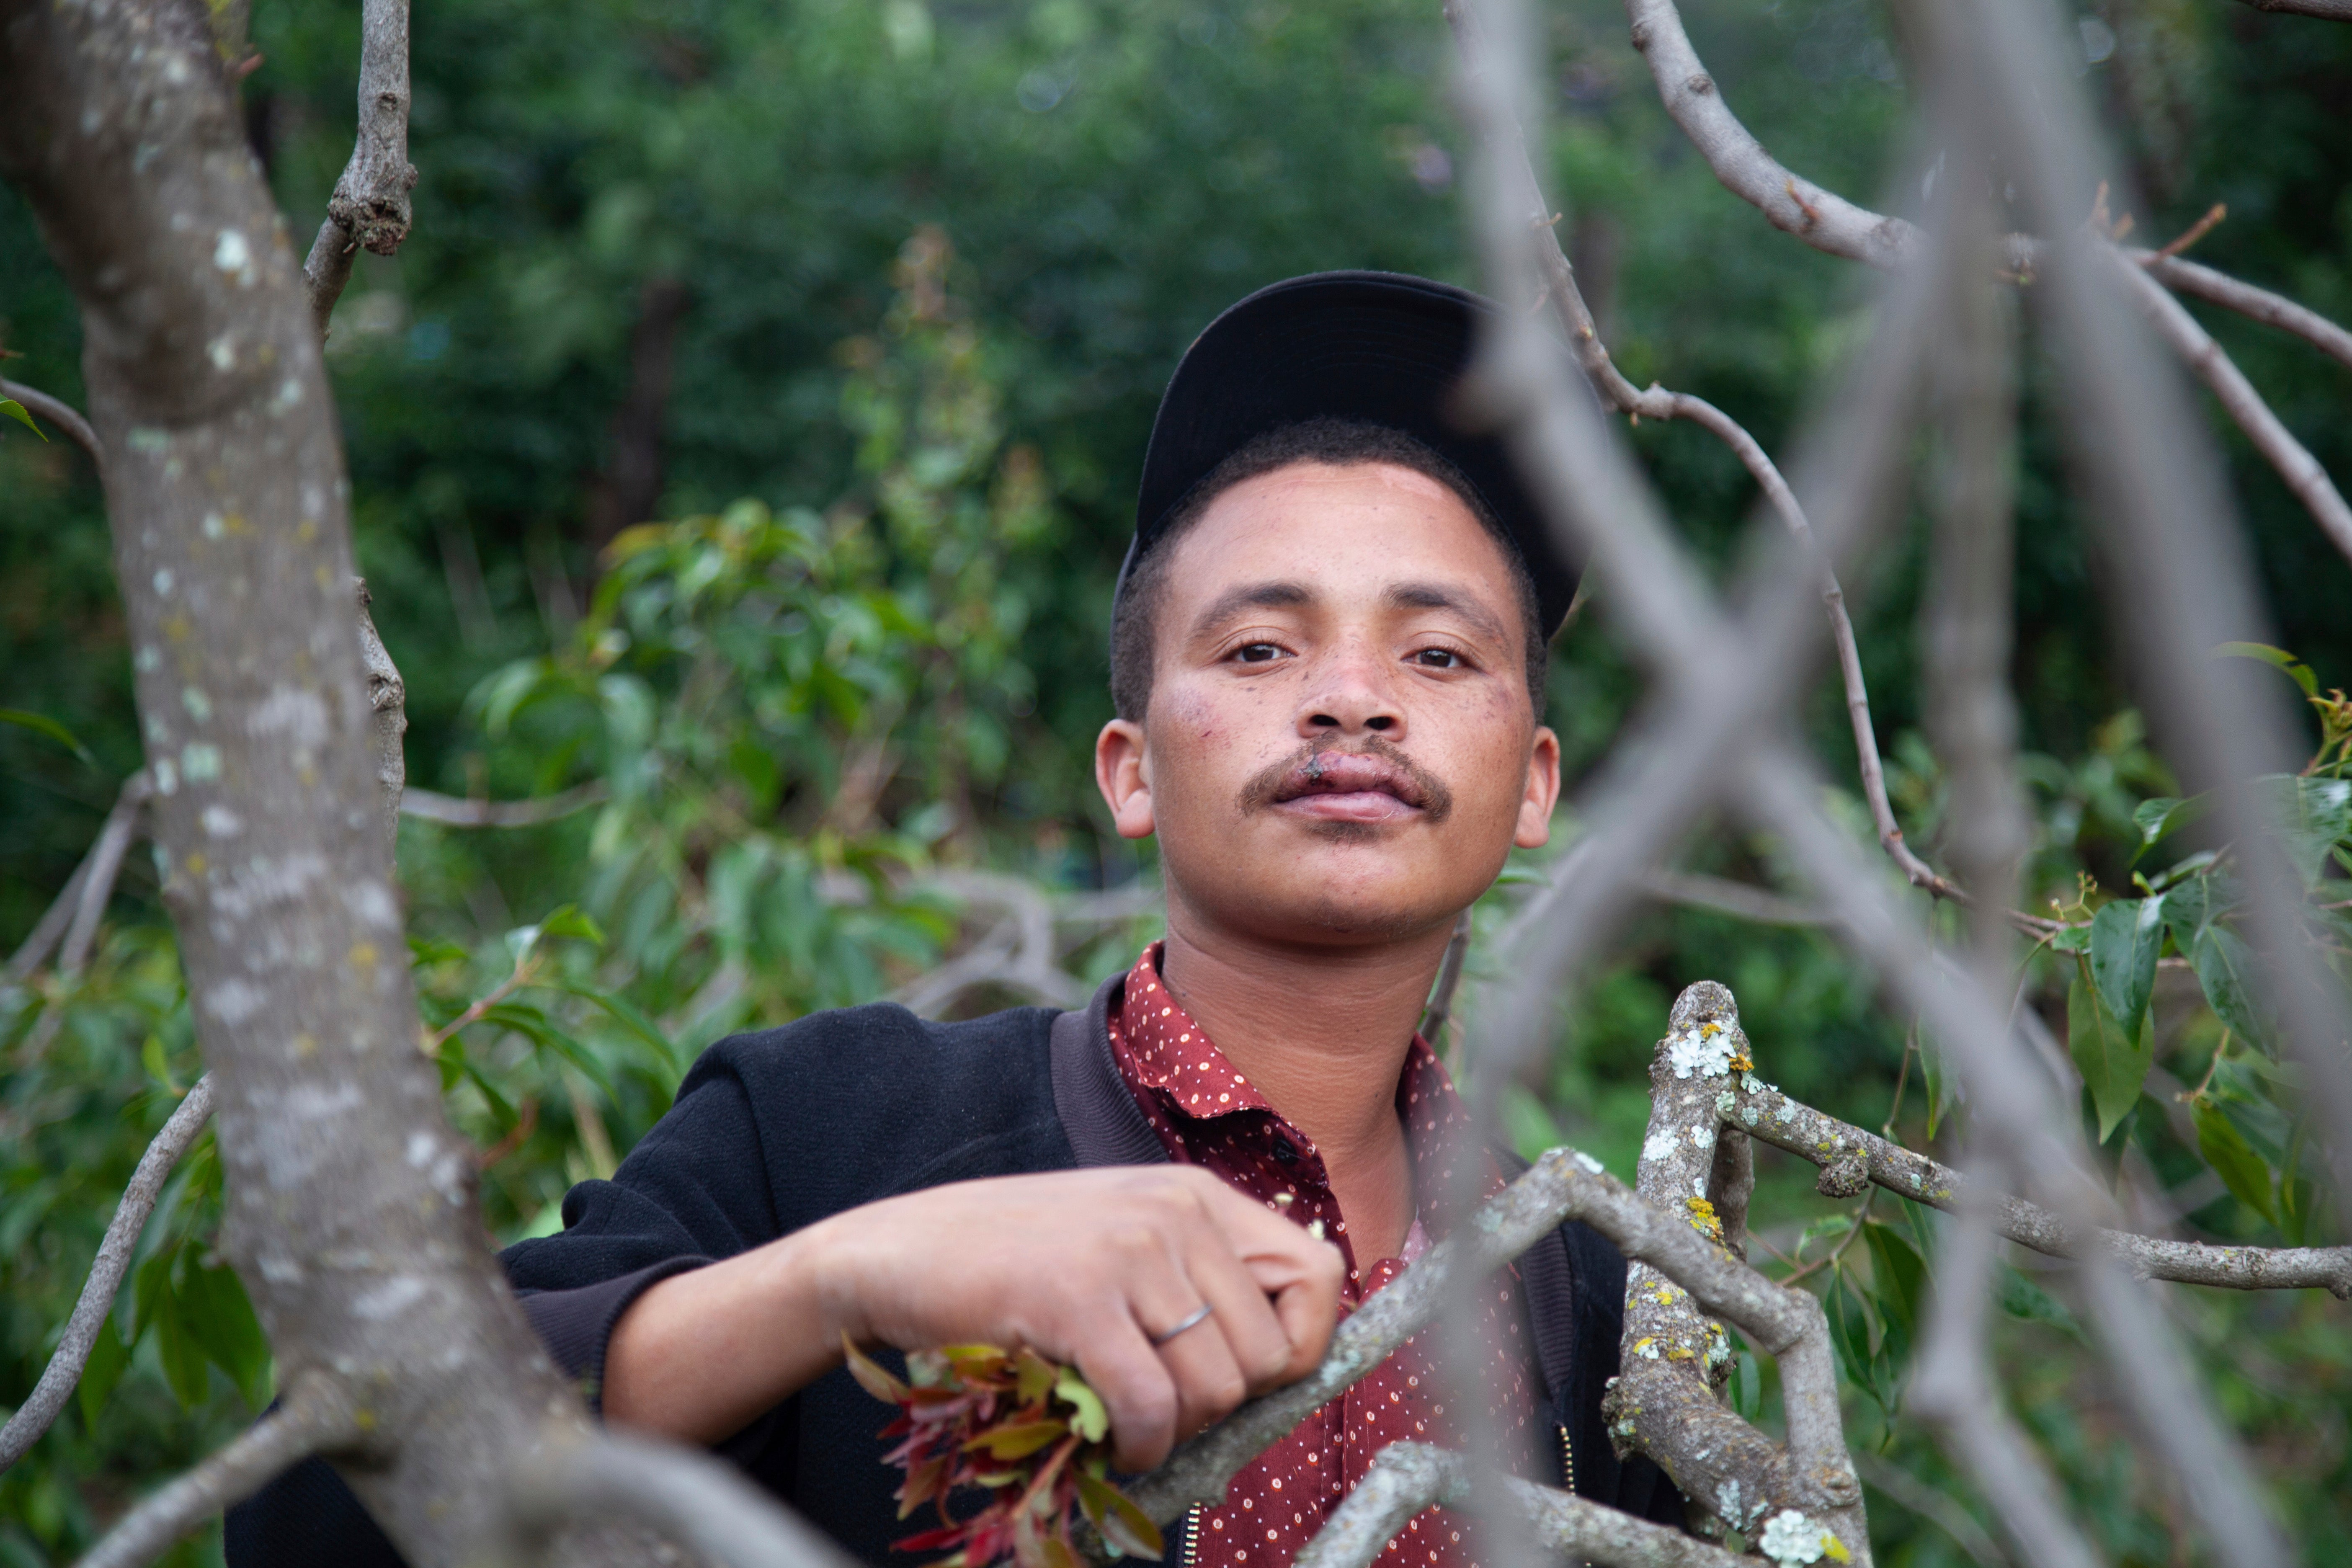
x=1206 y=1113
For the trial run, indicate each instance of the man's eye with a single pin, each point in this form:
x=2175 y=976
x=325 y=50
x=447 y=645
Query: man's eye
x=1257 y=653
x=1438 y=659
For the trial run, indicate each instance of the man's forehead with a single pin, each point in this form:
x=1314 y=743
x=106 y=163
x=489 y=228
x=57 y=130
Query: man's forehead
x=1311 y=534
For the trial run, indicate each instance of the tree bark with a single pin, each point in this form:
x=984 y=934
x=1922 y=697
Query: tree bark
x=350 y=1203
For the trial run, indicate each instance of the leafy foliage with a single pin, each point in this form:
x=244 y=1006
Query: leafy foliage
x=1030 y=1434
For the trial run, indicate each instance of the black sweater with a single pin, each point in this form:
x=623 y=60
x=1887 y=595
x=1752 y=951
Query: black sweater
x=775 y=1130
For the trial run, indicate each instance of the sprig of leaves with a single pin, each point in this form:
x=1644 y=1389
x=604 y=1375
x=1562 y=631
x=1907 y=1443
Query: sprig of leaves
x=1030 y=1434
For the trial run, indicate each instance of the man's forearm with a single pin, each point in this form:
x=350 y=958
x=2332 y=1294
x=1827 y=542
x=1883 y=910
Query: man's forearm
x=701 y=1355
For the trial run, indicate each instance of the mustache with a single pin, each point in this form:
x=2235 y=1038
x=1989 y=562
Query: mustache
x=1282 y=780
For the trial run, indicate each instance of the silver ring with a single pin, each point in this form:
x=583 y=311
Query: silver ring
x=1199 y=1316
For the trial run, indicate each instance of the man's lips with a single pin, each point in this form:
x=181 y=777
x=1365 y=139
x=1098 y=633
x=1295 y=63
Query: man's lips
x=1349 y=786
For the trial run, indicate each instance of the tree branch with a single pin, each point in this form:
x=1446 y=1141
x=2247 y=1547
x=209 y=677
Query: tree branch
x=315 y=1417
x=1675 y=1358
x=454 y=811
x=370 y=206
x=106 y=1271
x=62 y=414
x=1576 y=320
x=2230 y=387
x=1829 y=222
x=80 y=908
x=685 y=1495
x=1846 y=1153
x=2185 y=276
x=1406 y=1477
x=2327 y=10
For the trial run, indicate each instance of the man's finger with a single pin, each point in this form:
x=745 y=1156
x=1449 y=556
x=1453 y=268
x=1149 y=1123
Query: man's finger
x=1137 y=1388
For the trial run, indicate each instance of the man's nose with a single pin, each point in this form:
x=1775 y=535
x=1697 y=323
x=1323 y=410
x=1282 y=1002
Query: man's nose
x=1350 y=696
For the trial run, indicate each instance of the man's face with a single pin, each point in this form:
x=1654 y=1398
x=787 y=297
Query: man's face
x=1339 y=746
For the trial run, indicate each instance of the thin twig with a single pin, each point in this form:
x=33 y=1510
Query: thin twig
x=315 y=1417
x=1576 y=320
x=2228 y=383
x=1449 y=979
x=455 y=811
x=370 y=206
x=62 y=414
x=1787 y=1123
x=106 y=1271
x=2185 y=276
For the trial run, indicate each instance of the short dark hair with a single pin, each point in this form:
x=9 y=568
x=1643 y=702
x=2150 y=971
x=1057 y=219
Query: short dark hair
x=1342 y=443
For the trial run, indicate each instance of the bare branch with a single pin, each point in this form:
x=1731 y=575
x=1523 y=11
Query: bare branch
x=1658 y=403
x=2187 y=276
x=1940 y=1509
x=1665 y=1402
x=1854 y=1154
x=1829 y=222
x=1562 y=1185
x=86 y=895
x=317 y=1418
x=62 y=414
x=2327 y=10
x=1406 y=1477
x=106 y=1271
x=370 y=206
x=685 y=1495
x=453 y=810
x=2230 y=387
x=388 y=705
x=1725 y=897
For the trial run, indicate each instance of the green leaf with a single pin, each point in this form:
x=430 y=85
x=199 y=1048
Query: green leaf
x=2312 y=815
x=2234 y=1159
x=565 y=921
x=2113 y=1064
x=2160 y=819
x=2071 y=939
x=1900 y=1275
x=1848 y=1329
x=108 y=1356
x=1091 y=1421
x=16 y=410
x=1019 y=1441
x=219 y=1318
x=185 y=1366
x=2125 y=937
x=2225 y=968
x=2278 y=657
x=1123 y=1524
x=2022 y=1297
x=42 y=724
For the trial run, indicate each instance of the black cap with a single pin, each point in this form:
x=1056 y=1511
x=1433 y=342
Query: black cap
x=1381 y=347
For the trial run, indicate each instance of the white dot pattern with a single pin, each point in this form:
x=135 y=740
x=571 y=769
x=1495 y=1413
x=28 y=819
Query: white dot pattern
x=1206 y=1113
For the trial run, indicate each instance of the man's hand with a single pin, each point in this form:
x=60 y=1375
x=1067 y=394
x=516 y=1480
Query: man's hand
x=1085 y=1267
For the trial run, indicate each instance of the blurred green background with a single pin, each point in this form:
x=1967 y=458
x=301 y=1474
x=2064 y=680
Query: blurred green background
x=874 y=302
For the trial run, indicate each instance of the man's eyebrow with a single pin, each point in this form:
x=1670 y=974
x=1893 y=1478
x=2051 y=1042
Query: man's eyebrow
x=1250 y=596
x=1437 y=597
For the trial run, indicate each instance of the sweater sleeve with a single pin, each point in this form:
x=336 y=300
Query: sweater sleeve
x=693 y=1191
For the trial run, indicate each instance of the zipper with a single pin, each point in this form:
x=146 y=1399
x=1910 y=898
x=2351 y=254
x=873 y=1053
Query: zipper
x=1567 y=1466
x=1193 y=1532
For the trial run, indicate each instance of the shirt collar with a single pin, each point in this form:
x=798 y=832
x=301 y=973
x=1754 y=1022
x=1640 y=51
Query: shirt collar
x=1172 y=1054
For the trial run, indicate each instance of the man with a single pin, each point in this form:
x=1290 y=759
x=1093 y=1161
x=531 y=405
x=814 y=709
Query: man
x=1329 y=651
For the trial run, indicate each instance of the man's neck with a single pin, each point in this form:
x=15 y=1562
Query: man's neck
x=1322 y=1034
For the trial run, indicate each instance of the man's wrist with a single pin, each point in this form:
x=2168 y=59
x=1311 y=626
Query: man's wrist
x=813 y=1275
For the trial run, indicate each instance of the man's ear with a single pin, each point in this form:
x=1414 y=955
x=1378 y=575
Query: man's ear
x=1123 y=774
x=1534 y=829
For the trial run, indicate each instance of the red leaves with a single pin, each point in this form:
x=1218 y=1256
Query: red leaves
x=1031 y=1433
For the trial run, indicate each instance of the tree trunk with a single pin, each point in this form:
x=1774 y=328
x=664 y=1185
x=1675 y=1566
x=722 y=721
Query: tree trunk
x=350 y=1205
